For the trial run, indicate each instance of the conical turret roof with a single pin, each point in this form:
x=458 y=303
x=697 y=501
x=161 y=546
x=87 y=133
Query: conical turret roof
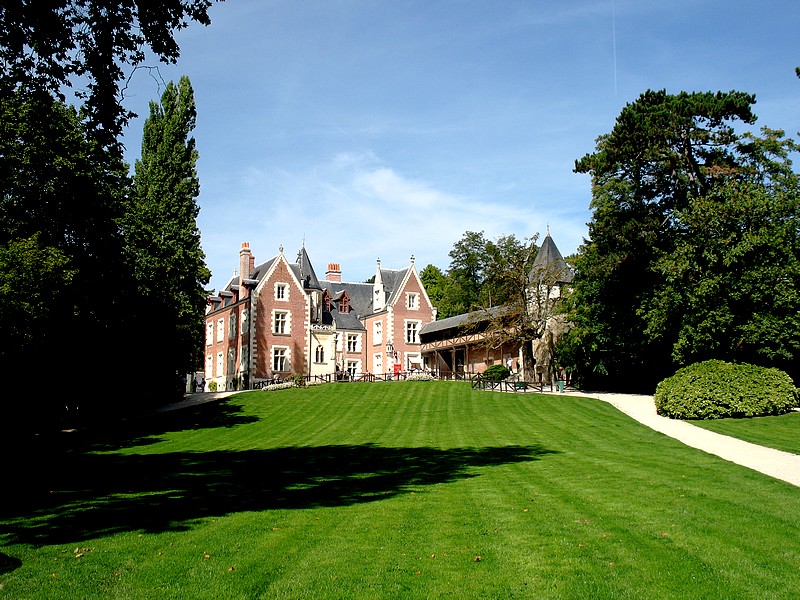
x=550 y=264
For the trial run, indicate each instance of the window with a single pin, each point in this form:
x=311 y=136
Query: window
x=412 y=301
x=319 y=355
x=279 y=359
x=413 y=361
x=231 y=360
x=326 y=301
x=344 y=303
x=281 y=291
x=352 y=368
x=220 y=358
x=377 y=363
x=352 y=342
x=412 y=332
x=220 y=330
x=245 y=362
x=209 y=366
x=377 y=333
x=245 y=324
x=232 y=326
x=209 y=333
x=281 y=322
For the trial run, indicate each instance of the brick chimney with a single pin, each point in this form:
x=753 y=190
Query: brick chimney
x=334 y=273
x=246 y=263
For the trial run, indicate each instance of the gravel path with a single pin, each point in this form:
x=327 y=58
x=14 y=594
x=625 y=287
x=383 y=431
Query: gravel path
x=775 y=463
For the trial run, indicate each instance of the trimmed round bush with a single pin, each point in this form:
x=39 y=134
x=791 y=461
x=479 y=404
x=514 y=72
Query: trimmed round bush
x=715 y=389
x=496 y=372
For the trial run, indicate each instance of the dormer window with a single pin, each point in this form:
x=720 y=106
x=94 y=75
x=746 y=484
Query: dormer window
x=344 y=303
x=326 y=301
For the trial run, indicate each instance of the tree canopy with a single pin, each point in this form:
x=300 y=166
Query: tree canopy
x=692 y=224
x=51 y=46
x=61 y=248
x=75 y=287
x=162 y=238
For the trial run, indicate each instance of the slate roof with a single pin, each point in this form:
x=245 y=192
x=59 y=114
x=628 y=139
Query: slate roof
x=305 y=272
x=360 y=294
x=260 y=270
x=459 y=321
x=549 y=261
x=391 y=282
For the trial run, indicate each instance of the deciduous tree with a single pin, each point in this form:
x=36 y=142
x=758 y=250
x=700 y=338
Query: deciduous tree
x=52 y=46
x=60 y=201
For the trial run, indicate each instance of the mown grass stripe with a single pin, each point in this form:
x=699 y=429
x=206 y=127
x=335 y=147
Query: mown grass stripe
x=402 y=489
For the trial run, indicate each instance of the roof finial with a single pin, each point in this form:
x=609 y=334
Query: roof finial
x=412 y=259
x=280 y=248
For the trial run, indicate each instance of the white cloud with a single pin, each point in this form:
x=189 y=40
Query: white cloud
x=353 y=209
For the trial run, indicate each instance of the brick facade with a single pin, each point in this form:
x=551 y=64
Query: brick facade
x=279 y=320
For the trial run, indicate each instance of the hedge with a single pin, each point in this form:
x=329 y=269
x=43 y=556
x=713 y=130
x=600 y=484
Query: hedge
x=715 y=389
x=496 y=372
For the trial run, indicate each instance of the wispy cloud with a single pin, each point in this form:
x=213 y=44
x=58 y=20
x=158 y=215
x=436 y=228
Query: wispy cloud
x=353 y=209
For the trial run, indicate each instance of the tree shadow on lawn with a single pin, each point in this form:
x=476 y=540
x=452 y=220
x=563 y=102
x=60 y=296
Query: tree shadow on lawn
x=111 y=432
x=92 y=495
x=145 y=429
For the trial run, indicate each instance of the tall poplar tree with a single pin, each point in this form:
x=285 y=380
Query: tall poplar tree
x=163 y=240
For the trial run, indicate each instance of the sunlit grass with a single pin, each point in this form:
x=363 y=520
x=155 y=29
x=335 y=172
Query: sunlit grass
x=395 y=490
x=781 y=431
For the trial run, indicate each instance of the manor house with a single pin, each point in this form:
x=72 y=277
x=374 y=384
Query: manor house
x=277 y=319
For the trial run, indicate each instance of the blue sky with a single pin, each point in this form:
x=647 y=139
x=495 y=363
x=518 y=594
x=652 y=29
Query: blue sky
x=386 y=129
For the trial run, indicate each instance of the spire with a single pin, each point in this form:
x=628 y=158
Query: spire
x=307 y=275
x=550 y=262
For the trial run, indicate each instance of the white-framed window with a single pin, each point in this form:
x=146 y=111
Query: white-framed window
x=209 y=366
x=280 y=322
x=377 y=333
x=245 y=321
x=319 y=355
x=231 y=360
x=281 y=291
x=413 y=361
x=220 y=329
x=220 y=363
x=280 y=358
x=352 y=342
x=412 y=300
x=377 y=363
x=232 y=326
x=412 y=331
x=245 y=361
x=209 y=333
x=351 y=366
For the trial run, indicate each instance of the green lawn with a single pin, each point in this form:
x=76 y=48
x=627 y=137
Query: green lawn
x=392 y=490
x=781 y=432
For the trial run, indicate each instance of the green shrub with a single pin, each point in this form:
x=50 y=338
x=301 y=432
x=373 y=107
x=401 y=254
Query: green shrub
x=496 y=372
x=715 y=389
